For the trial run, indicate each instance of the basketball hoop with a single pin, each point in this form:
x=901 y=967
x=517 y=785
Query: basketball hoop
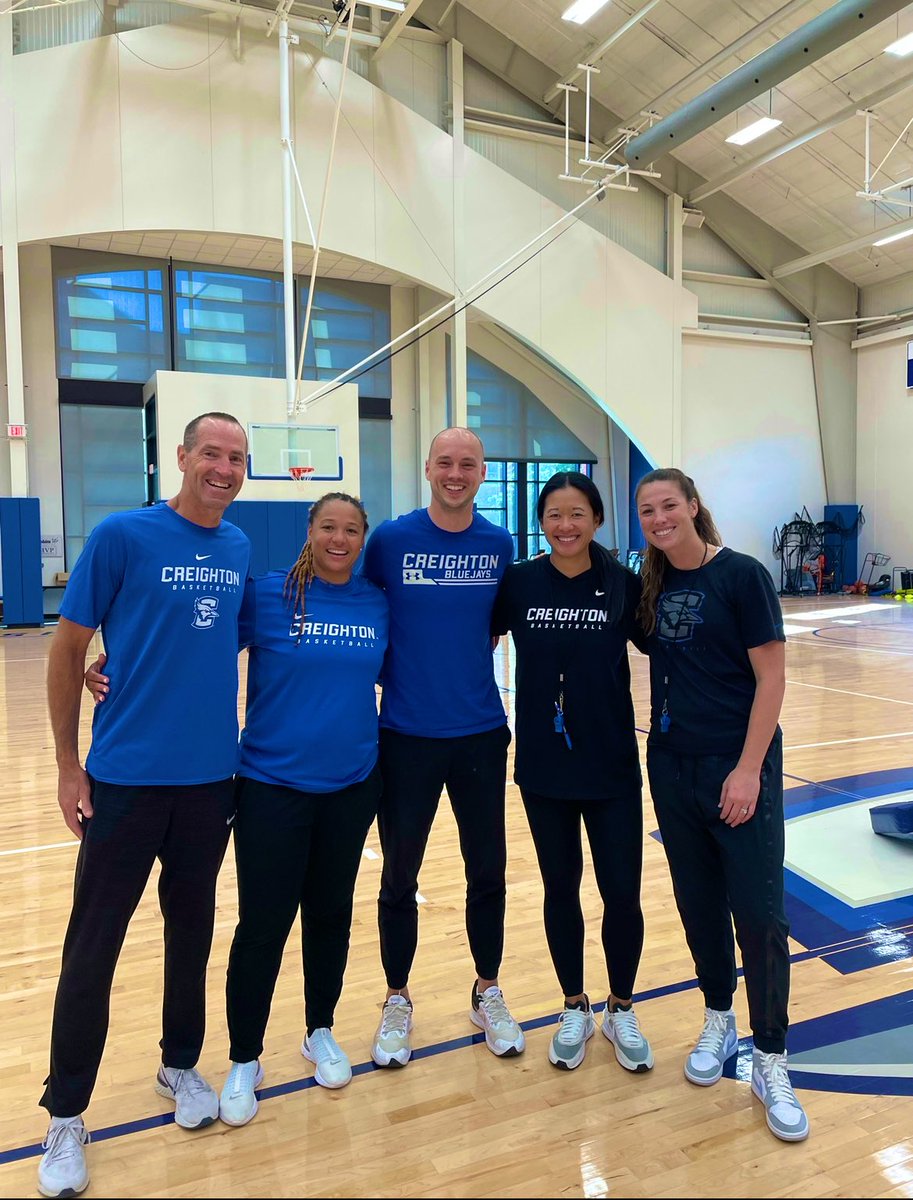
x=299 y=474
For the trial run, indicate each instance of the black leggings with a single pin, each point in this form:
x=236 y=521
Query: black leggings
x=415 y=771
x=722 y=874
x=186 y=828
x=294 y=850
x=615 y=832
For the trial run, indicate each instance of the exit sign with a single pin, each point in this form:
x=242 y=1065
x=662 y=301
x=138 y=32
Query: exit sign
x=15 y=431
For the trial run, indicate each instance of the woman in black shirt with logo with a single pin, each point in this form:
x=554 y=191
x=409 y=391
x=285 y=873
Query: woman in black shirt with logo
x=715 y=762
x=571 y=614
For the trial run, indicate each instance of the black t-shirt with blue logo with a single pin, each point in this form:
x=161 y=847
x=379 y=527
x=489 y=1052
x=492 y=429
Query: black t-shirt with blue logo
x=578 y=628
x=706 y=622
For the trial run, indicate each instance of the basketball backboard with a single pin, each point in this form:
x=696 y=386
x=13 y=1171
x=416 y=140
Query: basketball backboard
x=275 y=448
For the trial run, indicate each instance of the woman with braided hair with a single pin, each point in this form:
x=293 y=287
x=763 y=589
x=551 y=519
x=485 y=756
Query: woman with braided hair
x=307 y=788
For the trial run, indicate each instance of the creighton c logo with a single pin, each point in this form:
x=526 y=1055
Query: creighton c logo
x=677 y=615
x=205 y=611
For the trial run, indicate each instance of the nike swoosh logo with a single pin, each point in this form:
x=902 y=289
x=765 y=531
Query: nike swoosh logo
x=200 y=557
x=600 y=593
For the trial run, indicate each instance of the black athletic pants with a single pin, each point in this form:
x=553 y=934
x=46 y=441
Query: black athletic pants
x=415 y=771
x=722 y=874
x=294 y=850
x=615 y=832
x=187 y=829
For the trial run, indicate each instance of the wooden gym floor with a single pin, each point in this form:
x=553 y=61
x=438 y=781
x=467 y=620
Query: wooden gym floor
x=457 y=1121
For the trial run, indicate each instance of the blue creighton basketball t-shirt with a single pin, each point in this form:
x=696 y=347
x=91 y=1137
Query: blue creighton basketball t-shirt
x=311 y=719
x=166 y=593
x=438 y=676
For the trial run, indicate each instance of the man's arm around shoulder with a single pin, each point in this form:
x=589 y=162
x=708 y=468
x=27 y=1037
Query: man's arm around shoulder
x=66 y=666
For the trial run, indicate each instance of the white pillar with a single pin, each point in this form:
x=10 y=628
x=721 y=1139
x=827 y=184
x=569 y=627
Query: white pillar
x=286 y=41
x=458 y=409
x=674 y=271
x=9 y=230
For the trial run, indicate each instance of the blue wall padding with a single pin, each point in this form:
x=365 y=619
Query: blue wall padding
x=847 y=514
x=20 y=547
x=638 y=466
x=277 y=530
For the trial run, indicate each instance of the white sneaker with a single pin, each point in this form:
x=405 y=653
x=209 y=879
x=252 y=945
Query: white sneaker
x=392 y=1047
x=62 y=1170
x=195 y=1103
x=333 y=1067
x=718 y=1041
x=631 y=1047
x=576 y=1025
x=786 y=1117
x=503 y=1036
x=238 y=1103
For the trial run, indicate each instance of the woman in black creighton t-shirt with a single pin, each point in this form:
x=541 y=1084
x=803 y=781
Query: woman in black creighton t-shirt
x=715 y=762
x=571 y=614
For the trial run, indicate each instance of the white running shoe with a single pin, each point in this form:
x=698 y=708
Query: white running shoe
x=238 y=1103
x=333 y=1067
x=392 y=1047
x=62 y=1170
x=195 y=1103
x=576 y=1025
x=632 y=1049
x=503 y=1036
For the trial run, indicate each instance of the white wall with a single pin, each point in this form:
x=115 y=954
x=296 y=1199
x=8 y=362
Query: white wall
x=884 y=447
x=750 y=435
x=195 y=147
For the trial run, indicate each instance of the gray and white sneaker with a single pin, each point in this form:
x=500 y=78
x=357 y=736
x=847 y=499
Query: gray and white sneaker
x=576 y=1025
x=62 y=1170
x=786 y=1117
x=333 y=1067
x=632 y=1049
x=195 y=1103
x=503 y=1036
x=392 y=1047
x=718 y=1041
x=238 y=1103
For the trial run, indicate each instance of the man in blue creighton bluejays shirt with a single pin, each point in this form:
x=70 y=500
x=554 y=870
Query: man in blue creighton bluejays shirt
x=442 y=723
x=165 y=584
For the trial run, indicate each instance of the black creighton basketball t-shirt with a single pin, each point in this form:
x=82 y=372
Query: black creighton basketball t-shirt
x=706 y=622
x=570 y=628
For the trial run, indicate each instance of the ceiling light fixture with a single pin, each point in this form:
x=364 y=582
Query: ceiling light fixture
x=581 y=11
x=894 y=237
x=763 y=125
x=902 y=47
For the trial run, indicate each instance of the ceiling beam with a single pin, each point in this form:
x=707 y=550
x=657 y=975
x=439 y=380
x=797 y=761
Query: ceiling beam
x=396 y=26
x=823 y=256
x=835 y=27
x=845 y=114
x=593 y=57
x=721 y=56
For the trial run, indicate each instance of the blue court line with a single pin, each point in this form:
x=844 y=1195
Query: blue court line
x=896 y=779
x=19 y=1153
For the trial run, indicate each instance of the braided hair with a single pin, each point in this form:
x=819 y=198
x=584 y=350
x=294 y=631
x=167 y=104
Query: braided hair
x=653 y=570
x=302 y=574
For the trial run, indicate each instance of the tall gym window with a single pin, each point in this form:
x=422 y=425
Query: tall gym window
x=228 y=322
x=348 y=321
x=111 y=316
